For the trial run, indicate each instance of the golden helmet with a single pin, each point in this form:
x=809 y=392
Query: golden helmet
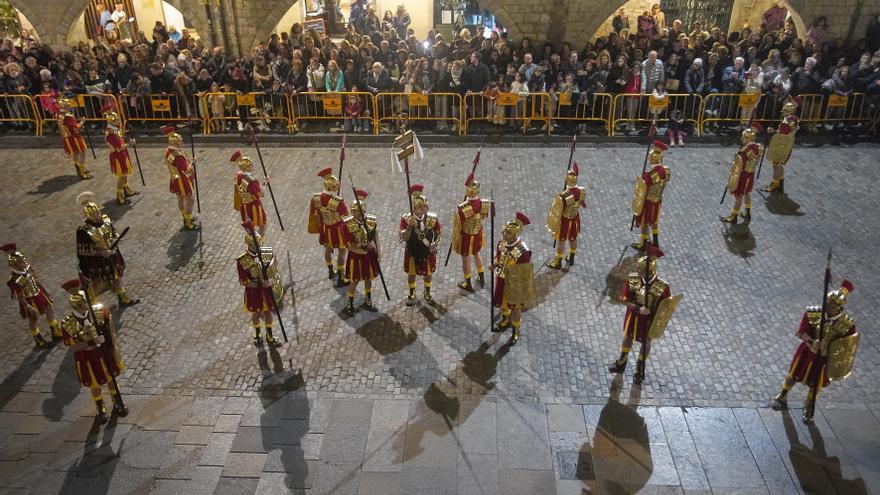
x=789 y=108
x=87 y=201
x=837 y=297
x=245 y=164
x=331 y=182
x=251 y=238
x=472 y=186
x=571 y=177
x=650 y=259
x=748 y=135
x=15 y=256
x=64 y=103
x=416 y=191
x=110 y=115
x=358 y=205
x=655 y=156
x=174 y=139
x=75 y=294
x=516 y=225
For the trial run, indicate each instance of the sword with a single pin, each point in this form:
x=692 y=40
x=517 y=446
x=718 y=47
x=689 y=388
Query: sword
x=115 y=244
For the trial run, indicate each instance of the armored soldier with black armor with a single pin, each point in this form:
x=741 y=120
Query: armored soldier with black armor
x=781 y=145
x=100 y=262
x=467 y=232
x=514 y=276
x=33 y=300
x=120 y=161
x=648 y=310
x=564 y=217
x=648 y=195
x=71 y=137
x=260 y=291
x=742 y=176
x=326 y=211
x=361 y=239
x=182 y=175
x=247 y=193
x=91 y=336
x=826 y=353
x=420 y=230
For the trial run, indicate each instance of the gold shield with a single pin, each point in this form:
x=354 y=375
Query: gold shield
x=733 y=180
x=274 y=276
x=664 y=313
x=314 y=221
x=519 y=283
x=780 y=148
x=841 y=355
x=554 y=216
x=639 y=193
x=456 y=232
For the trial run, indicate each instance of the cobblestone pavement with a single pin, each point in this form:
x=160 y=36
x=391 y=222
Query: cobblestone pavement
x=728 y=346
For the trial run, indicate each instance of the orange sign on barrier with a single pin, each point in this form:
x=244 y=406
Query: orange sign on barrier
x=748 y=99
x=508 y=99
x=838 y=100
x=418 y=100
x=161 y=105
x=332 y=103
x=565 y=98
x=247 y=100
x=657 y=104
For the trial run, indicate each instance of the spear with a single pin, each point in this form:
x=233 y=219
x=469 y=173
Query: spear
x=632 y=224
x=85 y=129
x=105 y=350
x=473 y=171
x=370 y=235
x=492 y=258
x=266 y=174
x=192 y=146
x=825 y=295
x=574 y=139
x=341 y=162
x=137 y=160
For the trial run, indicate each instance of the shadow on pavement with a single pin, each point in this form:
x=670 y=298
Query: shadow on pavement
x=739 y=240
x=284 y=435
x=386 y=335
x=93 y=472
x=182 y=246
x=55 y=184
x=780 y=204
x=14 y=382
x=65 y=388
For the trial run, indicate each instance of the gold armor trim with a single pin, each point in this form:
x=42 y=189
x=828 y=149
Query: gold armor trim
x=664 y=313
x=735 y=172
x=554 y=215
x=360 y=243
x=655 y=191
x=241 y=189
x=637 y=290
x=62 y=128
x=639 y=194
x=779 y=150
x=572 y=204
x=329 y=214
x=28 y=283
x=456 y=231
x=430 y=221
x=519 y=281
x=103 y=236
x=252 y=266
x=169 y=161
x=841 y=356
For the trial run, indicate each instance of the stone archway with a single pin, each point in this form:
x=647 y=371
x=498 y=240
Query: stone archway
x=51 y=18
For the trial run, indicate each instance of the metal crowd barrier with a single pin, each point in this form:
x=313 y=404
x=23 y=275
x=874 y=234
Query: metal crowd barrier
x=20 y=109
x=443 y=108
x=162 y=108
x=507 y=108
x=636 y=107
x=258 y=109
x=813 y=109
x=569 y=108
x=330 y=106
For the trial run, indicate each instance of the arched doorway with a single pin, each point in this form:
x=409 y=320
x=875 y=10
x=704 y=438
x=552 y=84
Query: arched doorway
x=14 y=25
x=145 y=15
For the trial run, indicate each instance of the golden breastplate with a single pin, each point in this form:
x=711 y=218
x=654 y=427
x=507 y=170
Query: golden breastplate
x=103 y=235
x=329 y=212
x=169 y=161
x=655 y=191
x=833 y=329
x=637 y=291
x=570 y=204
x=28 y=283
x=508 y=256
x=243 y=193
x=82 y=331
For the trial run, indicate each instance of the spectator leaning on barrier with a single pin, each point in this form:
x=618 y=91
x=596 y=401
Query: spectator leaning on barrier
x=652 y=72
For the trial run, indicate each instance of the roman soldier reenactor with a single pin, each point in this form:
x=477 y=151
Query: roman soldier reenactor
x=120 y=162
x=514 y=276
x=100 y=262
x=247 y=193
x=781 y=145
x=326 y=211
x=363 y=252
x=646 y=313
x=564 y=218
x=420 y=230
x=71 y=137
x=648 y=195
x=182 y=175
x=33 y=300
x=262 y=287
x=467 y=231
x=742 y=175
x=826 y=352
x=91 y=336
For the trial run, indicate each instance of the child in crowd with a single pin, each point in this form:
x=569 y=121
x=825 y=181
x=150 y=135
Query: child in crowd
x=491 y=95
x=676 y=128
x=217 y=104
x=659 y=95
x=353 y=115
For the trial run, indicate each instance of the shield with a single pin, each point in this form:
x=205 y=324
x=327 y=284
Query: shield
x=733 y=180
x=274 y=278
x=639 y=193
x=314 y=221
x=519 y=283
x=664 y=313
x=456 y=232
x=841 y=355
x=780 y=148
x=554 y=216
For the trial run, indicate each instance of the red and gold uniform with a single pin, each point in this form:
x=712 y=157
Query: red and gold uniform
x=326 y=211
x=261 y=287
x=642 y=294
x=781 y=145
x=100 y=261
x=514 y=276
x=468 y=235
x=420 y=230
x=93 y=339
x=71 y=137
x=247 y=193
x=742 y=175
x=564 y=217
x=361 y=239
x=817 y=359
x=33 y=300
x=182 y=176
x=648 y=195
x=120 y=161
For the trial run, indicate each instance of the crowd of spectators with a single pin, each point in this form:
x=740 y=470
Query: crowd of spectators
x=383 y=54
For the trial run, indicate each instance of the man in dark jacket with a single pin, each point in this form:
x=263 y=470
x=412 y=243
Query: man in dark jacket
x=476 y=76
x=161 y=79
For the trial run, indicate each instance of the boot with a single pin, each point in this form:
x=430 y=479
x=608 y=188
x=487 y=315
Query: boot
x=809 y=407
x=747 y=216
x=258 y=341
x=130 y=192
x=781 y=186
x=39 y=341
x=428 y=298
x=119 y=408
x=101 y=412
x=780 y=402
x=330 y=272
x=340 y=280
x=188 y=224
x=731 y=219
x=120 y=197
x=368 y=304
x=81 y=171
x=503 y=325
x=570 y=259
x=556 y=264
x=482 y=278
x=618 y=366
x=124 y=300
x=640 y=246
x=411 y=298
x=56 y=331
x=639 y=375
x=466 y=285
x=656 y=239
x=270 y=339
x=349 y=308
x=514 y=337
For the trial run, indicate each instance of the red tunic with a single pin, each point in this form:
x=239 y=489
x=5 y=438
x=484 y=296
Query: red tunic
x=252 y=210
x=92 y=367
x=41 y=302
x=359 y=266
x=636 y=325
x=651 y=209
x=332 y=235
x=569 y=228
x=471 y=243
x=807 y=367
x=183 y=184
x=498 y=299
x=120 y=162
x=74 y=142
x=429 y=264
x=256 y=299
